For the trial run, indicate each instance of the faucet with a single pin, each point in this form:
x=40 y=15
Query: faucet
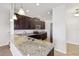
x=24 y=33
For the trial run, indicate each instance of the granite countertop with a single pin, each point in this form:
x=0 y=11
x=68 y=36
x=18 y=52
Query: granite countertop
x=31 y=46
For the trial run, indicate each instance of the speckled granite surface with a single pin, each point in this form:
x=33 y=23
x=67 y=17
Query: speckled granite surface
x=32 y=47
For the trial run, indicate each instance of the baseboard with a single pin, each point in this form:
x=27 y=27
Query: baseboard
x=60 y=51
x=73 y=43
x=4 y=44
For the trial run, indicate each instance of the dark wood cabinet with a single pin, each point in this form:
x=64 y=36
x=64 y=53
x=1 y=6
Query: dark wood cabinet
x=39 y=35
x=25 y=22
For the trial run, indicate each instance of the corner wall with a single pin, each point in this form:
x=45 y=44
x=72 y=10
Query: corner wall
x=59 y=28
x=4 y=24
x=72 y=24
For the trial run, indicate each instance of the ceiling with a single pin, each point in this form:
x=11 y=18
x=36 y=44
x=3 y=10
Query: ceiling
x=43 y=11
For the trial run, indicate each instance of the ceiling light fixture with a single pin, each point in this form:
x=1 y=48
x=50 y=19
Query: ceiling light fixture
x=27 y=11
x=76 y=13
x=48 y=12
x=37 y=4
x=21 y=11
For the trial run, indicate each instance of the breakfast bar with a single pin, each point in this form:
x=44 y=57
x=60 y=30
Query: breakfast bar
x=27 y=46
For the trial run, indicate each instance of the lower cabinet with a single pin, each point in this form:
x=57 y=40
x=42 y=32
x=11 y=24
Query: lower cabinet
x=51 y=53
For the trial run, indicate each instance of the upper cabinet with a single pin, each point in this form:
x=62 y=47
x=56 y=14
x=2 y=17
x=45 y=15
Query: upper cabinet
x=25 y=22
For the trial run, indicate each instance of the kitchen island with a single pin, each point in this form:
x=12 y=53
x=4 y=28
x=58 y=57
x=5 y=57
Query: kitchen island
x=27 y=46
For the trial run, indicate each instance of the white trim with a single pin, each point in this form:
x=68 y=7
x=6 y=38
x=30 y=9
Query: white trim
x=73 y=43
x=14 y=50
x=4 y=44
x=60 y=51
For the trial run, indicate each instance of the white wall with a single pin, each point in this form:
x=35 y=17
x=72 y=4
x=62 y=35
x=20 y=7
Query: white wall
x=4 y=24
x=65 y=26
x=59 y=28
x=72 y=25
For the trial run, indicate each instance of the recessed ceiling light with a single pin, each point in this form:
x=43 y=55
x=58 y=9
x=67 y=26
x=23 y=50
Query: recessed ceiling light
x=48 y=12
x=37 y=4
x=27 y=11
